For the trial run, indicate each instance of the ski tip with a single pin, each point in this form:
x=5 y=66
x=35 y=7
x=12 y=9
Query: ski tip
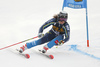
x=51 y=56
x=27 y=56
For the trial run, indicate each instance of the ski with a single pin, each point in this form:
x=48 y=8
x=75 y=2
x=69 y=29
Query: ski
x=28 y=56
x=24 y=55
x=48 y=56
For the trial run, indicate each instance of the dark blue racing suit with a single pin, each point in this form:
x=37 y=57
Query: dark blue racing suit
x=58 y=32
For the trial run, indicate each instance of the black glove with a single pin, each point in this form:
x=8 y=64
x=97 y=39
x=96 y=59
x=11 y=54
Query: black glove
x=40 y=35
x=61 y=42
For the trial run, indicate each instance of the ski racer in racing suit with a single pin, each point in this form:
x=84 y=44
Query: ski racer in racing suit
x=58 y=35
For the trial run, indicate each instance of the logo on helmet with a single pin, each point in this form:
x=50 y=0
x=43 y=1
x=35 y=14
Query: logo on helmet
x=78 y=0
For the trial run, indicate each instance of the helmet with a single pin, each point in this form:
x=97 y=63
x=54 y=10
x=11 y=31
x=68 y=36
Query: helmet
x=62 y=16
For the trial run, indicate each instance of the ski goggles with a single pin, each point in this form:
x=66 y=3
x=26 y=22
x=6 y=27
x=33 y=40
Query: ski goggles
x=62 y=19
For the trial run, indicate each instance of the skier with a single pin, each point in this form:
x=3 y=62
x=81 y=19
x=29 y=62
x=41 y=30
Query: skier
x=58 y=35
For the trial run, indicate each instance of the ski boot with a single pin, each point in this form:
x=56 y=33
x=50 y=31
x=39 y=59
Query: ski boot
x=44 y=50
x=22 y=49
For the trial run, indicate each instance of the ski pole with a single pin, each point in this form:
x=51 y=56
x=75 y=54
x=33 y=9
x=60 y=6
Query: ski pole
x=18 y=43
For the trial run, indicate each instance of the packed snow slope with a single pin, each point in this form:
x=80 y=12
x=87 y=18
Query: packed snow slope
x=21 y=19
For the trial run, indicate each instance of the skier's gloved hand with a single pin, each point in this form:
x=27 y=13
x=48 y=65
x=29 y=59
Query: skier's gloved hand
x=40 y=35
x=61 y=42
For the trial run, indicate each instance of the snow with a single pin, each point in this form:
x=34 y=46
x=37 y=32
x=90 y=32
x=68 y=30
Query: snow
x=21 y=19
